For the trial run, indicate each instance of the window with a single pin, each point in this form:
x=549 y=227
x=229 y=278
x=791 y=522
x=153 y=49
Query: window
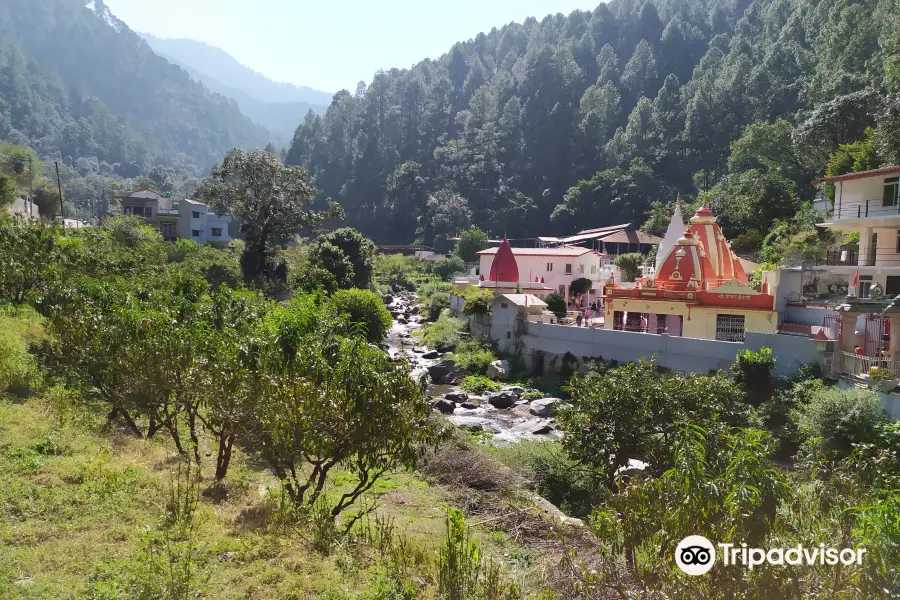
x=568 y=269
x=594 y=267
x=217 y=232
x=508 y=334
x=504 y=305
x=581 y=269
x=195 y=232
x=730 y=328
x=898 y=241
x=891 y=189
x=148 y=212
x=195 y=214
x=549 y=267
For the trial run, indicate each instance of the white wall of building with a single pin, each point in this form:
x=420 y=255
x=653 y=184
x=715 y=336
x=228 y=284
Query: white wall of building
x=198 y=223
x=559 y=271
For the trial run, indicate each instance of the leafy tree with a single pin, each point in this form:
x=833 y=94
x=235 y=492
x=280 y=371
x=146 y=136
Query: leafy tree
x=470 y=242
x=375 y=419
x=273 y=202
x=580 y=286
x=358 y=249
x=630 y=264
x=476 y=300
x=362 y=307
x=556 y=304
x=447 y=266
x=632 y=412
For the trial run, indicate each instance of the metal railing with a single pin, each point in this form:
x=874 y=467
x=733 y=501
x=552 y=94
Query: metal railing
x=853 y=258
x=859 y=366
x=861 y=209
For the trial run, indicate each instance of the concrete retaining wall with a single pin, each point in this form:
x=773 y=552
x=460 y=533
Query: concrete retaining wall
x=678 y=353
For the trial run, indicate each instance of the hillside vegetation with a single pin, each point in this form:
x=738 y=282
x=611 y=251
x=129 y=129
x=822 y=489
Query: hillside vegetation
x=556 y=124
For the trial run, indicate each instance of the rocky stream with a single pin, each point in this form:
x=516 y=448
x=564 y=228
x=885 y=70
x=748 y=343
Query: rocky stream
x=506 y=415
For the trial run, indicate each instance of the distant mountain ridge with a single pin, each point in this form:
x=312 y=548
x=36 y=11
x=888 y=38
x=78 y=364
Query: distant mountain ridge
x=279 y=107
x=79 y=84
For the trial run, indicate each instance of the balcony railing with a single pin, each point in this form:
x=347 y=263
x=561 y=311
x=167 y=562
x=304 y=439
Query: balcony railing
x=861 y=209
x=853 y=258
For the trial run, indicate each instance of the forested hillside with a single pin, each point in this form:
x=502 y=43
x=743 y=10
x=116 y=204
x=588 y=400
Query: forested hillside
x=587 y=120
x=76 y=83
x=278 y=107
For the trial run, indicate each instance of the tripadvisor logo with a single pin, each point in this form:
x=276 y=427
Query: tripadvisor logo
x=696 y=555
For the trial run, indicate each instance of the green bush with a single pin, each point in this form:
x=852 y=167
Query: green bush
x=556 y=477
x=445 y=267
x=474 y=356
x=444 y=334
x=479 y=384
x=361 y=306
x=556 y=304
x=18 y=370
x=434 y=295
x=470 y=243
x=837 y=419
x=476 y=300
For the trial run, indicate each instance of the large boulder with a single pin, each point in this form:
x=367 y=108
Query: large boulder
x=432 y=355
x=515 y=389
x=458 y=396
x=499 y=370
x=387 y=298
x=444 y=372
x=545 y=407
x=502 y=400
x=445 y=406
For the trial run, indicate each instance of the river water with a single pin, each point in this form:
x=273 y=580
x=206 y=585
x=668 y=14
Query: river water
x=504 y=425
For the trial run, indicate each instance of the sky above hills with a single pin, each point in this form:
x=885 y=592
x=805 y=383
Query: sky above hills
x=331 y=45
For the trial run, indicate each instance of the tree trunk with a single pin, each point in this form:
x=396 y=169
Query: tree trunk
x=224 y=457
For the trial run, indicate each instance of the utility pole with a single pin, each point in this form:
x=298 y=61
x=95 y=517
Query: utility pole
x=62 y=210
x=30 y=186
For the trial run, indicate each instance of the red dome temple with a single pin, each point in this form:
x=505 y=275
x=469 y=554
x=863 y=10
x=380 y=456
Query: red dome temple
x=504 y=267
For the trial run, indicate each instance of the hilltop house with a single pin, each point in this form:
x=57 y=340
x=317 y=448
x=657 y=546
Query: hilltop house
x=186 y=219
x=612 y=240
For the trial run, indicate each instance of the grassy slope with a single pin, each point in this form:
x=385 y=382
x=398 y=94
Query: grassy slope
x=76 y=503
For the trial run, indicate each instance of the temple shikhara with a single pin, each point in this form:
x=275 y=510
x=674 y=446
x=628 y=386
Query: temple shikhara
x=700 y=290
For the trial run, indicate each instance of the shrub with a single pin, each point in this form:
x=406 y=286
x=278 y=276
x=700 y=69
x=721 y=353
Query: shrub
x=435 y=297
x=478 y=384
x=753 y=370
x=445 y=267
x=364 y=307
x=18 y=369
x=444 y=334
x=837 y=419
x=630 y=264
x=358 y=249
x=463 y=572
x=556 y=477
x=476 y=300
x=881 y=374
x=556 y=304
x=397 y=269
x=474 y=356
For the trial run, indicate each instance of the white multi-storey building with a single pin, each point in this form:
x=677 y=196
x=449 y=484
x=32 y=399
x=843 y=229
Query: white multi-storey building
x=200 y=224
x=868 y=202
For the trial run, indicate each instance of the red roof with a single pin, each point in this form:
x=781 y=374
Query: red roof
x=891 y=170
x=504 y=266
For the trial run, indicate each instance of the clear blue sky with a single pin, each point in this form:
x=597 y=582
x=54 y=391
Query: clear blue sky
x=331 y=44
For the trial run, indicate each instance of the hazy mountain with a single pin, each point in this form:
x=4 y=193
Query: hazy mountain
x=280 y=107
x=75 y=81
